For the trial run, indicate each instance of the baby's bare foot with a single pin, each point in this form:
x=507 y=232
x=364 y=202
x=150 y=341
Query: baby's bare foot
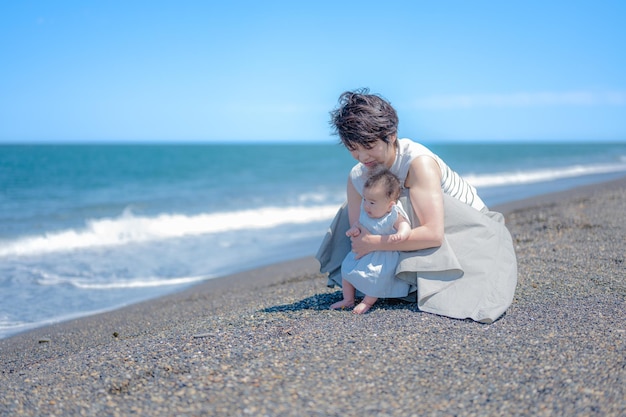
x=362 y=308
x=342 y=304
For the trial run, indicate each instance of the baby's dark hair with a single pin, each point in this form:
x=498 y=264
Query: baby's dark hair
x=388 y=180
x=363 y=118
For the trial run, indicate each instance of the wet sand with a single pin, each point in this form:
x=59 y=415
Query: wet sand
x=264 y=342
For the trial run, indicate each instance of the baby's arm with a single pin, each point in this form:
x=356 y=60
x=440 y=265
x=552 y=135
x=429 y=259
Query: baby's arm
x=403 y=230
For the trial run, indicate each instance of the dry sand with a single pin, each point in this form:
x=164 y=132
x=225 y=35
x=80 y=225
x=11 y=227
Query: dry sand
x=264 y=342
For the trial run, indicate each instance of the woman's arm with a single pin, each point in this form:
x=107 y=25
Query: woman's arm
x=354 y=203
x=424 y=184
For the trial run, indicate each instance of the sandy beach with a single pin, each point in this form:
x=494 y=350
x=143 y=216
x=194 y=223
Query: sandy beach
x=264 y=342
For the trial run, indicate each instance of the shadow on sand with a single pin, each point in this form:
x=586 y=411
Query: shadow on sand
x=323 y=301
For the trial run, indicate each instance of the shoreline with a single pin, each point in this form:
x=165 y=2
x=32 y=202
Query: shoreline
x=9 y=332
x=503 y=208
x=557 y=196
x=254 y=340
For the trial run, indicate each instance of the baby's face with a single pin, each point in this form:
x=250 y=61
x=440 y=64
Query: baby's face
x=375 y=202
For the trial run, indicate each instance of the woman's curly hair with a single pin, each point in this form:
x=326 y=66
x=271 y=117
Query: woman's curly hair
x=362 y=119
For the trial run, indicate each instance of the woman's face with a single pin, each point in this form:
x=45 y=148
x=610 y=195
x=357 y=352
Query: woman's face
x=381 y=153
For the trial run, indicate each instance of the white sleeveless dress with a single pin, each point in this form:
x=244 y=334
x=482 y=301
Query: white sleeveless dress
x=473 y=274
x=375 y=273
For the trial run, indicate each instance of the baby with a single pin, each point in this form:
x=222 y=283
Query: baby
x=374 y=273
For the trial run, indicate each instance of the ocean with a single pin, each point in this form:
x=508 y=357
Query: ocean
x=91 y=228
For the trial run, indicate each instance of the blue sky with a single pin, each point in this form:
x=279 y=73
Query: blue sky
x=200 y=71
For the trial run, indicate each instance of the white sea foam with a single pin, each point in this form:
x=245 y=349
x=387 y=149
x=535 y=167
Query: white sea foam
x=541 y=175
x=125 y=284
x=129 y=228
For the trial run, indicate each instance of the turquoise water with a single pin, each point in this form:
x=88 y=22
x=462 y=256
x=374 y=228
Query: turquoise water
x=88 y=228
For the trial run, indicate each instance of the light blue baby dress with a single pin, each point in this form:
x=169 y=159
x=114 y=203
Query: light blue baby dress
x=375 y=273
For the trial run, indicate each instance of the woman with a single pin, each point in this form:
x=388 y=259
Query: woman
x=458 y=259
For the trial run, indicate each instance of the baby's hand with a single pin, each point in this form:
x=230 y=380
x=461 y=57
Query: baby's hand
x=354 y=231
x=395 y=238
x=403 y=231
x=399 y=237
